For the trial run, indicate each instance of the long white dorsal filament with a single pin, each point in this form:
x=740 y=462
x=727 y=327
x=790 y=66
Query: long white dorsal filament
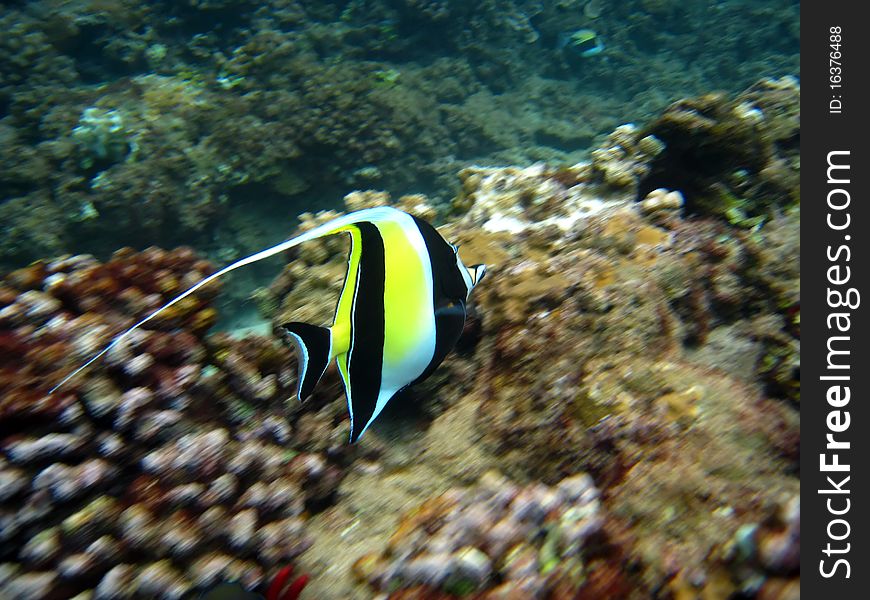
x=369 y=214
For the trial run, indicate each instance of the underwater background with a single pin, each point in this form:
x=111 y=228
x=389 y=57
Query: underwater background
x=620 y=418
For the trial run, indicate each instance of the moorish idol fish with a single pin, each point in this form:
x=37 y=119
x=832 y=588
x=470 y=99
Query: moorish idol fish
x=400 y=312
x=583 y=43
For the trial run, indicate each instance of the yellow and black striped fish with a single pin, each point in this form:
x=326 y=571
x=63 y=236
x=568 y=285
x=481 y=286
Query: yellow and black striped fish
x=400 y=312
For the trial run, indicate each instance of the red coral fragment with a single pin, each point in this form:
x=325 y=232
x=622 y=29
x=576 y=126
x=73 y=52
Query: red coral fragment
x=293 y=591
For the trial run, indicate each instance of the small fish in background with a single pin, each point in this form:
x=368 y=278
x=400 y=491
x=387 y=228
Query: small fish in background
x=235 y=591
x=582 y=43
x=400 y=312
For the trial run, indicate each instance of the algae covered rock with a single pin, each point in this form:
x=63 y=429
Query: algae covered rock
x=734 y=157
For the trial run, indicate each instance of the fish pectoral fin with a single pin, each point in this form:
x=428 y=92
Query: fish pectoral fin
x=449 y=323
x=314 y=348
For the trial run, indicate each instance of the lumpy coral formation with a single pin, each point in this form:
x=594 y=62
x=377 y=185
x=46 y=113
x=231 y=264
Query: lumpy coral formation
x=635 y=344
x=501 y=540
x=161 y=471
x=737 y=158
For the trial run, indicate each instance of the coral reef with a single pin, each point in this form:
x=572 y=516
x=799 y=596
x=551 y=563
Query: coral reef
x=101 y=137
x=632 y=340
x=166 y=123
x=628 y=340
x=165 y=468
x=501 y=540
x=647 y=345
x=630 y=344
x=630 y=365
x=737 y=158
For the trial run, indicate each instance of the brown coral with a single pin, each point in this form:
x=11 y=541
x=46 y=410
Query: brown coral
x=143 y=475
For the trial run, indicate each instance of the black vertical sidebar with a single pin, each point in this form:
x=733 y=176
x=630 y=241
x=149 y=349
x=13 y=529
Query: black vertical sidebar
x=835 y=226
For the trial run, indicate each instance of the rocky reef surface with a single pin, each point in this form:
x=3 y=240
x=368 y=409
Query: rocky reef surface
x=619 y=419
x=170 y=466
x=168 y=122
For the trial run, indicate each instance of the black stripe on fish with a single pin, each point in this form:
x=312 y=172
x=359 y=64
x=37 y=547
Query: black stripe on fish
x=447 y=282
x=366 y=354
x=448 y=291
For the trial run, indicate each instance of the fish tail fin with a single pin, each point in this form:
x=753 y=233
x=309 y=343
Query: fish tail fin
x=314 y=349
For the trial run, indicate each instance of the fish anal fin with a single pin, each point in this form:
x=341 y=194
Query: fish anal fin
x=314 y=348
x=364 y=404
x=379 y=403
